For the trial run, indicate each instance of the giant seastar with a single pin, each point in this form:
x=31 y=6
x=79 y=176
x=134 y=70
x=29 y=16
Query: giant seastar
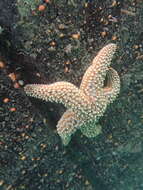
x=99 y=87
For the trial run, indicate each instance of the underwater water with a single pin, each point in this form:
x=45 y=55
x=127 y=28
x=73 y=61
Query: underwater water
x=44 y=42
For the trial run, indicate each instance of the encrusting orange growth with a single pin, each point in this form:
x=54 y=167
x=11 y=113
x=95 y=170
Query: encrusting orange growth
x=2 y=65
x=76 y=36
x=12 y=109
x=47 y=1
x=12 y=76
x=41 y=7
x=5 y=100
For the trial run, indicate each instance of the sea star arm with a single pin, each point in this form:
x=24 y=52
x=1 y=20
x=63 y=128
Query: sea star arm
x=70 y=122
x=91 y=129
x=61 y=92
x=94 y=77
x=67 y=125
x=112 y=88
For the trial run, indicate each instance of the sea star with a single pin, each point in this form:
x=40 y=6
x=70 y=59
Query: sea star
x=99 y=87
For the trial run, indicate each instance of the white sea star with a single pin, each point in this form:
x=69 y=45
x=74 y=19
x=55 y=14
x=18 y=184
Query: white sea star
x=87 y=103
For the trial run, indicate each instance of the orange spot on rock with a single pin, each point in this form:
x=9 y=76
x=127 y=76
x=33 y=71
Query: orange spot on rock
x=114 y=37
x=2 y=65
x=53 y=43
x=76 y=36
x=12 y=76
x=66 y=69
x=5 y=100
x=12 y=109
x=47 y=1
x=16 y=85
x=41 y=7
x=104 y=33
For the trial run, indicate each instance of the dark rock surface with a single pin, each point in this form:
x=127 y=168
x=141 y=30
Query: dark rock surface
x=57 y=44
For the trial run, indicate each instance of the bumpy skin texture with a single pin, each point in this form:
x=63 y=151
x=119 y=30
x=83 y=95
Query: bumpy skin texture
x=87 y=103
